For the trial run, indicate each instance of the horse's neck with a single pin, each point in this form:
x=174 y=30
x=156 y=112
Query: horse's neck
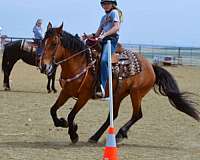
x=28 y=57
x=73 y=66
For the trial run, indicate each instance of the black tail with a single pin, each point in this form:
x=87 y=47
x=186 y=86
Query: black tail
x=167 y=86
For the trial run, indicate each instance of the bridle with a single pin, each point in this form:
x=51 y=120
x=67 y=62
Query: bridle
x=83 y=72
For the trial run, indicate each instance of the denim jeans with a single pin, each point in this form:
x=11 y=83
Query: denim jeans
x=104 y=57
x=39 y=49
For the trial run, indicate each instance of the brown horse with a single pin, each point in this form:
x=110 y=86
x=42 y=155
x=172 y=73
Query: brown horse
x=78 y=80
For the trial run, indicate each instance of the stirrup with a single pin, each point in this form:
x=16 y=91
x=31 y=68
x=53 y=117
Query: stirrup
x=101 y=93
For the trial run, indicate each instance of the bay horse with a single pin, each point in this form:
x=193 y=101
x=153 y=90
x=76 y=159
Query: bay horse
x=77 y=80
x=12 y=53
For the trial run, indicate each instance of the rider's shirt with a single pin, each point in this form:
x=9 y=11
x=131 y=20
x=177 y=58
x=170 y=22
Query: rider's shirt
x=107 y=21
x=37 y=32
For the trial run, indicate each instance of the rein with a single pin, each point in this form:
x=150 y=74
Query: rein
x=76 y=54
x=83 y=72
x=79 y=74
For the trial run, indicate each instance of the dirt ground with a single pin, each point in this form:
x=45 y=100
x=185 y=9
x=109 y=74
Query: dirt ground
x=27 y=132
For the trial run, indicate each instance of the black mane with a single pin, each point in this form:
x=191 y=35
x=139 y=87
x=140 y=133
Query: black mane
x=68 y=40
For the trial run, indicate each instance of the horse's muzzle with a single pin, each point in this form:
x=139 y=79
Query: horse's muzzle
x=48 y=69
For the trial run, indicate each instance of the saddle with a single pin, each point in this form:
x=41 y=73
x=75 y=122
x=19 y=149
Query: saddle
x=31 y=48
x=28 y=46
x=125 y=63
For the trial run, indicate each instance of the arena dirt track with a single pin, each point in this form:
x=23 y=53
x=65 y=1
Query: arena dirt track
x=27 y=132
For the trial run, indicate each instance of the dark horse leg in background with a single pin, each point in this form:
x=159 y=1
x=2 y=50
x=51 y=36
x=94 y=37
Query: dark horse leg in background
x=51 y=86
x=7 y=67
x=11 y=55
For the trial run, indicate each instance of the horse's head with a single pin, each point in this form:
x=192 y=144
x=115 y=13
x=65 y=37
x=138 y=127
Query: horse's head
x=51 y=45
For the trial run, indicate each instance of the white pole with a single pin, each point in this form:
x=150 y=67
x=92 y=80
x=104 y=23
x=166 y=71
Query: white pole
x=110 y=83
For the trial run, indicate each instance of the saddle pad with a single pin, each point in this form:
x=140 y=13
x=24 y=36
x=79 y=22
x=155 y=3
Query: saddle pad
x=127 y=65
x=28 y=47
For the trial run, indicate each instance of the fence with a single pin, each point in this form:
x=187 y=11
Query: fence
x=5 y=39
x=181 y=55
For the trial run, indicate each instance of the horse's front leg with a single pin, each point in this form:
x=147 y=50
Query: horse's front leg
x=59 y=102
x=48 y=84
x=53 y=83
x=72 y=126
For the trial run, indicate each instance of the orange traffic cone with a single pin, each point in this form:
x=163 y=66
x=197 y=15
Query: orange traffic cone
x=111 y=151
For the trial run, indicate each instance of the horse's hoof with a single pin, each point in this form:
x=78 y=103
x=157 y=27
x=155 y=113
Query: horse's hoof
x=75 y=138
x=92 y=141
x=120 y=136
x=6 y=89
x=48 y=91
x=61 y=123
x=119 y=140
x=54 y=91
x=64 y=123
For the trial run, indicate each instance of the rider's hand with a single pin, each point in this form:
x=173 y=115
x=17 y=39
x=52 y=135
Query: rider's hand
x=101 y=37
x=87 y=36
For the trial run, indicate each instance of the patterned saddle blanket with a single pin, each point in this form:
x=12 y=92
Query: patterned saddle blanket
x=125 y=64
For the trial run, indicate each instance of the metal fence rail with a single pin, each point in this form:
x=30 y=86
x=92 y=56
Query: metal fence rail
x=5 y=39
x=182 y=55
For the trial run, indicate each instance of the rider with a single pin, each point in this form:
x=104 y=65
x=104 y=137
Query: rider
x=108 y=30
x=38 y=36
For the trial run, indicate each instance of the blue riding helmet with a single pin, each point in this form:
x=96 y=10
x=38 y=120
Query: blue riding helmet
x=111 y=1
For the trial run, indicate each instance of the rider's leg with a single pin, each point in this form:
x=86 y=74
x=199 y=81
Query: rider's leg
x=104 y=64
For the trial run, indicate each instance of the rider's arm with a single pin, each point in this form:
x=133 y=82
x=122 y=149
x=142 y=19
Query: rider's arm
x=98 y=32
x=37 y=33
x=113 y=30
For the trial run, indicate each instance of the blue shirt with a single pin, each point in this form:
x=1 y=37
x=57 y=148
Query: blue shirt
x=37 y=32
x=107 y=21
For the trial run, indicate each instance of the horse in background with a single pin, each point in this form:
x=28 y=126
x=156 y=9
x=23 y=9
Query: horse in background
x=14 y=51
x=78 y=79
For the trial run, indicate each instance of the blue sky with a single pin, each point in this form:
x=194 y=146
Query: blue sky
x=169 y=22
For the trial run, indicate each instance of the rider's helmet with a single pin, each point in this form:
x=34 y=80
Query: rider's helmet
x=111 y=1
x=39 y=21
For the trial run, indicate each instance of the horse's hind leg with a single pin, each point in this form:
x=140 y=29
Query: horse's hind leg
x=7 y=71
x=6 y=83
x=59 y=102
x=102 y=129
x=137 y=114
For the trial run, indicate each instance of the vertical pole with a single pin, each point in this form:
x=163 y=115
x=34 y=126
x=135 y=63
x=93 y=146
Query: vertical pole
x=110 y=151
x=110 y=82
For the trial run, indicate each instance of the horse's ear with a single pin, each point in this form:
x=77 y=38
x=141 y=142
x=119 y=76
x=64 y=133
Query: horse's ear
x=49 y=26
x=60 y=29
